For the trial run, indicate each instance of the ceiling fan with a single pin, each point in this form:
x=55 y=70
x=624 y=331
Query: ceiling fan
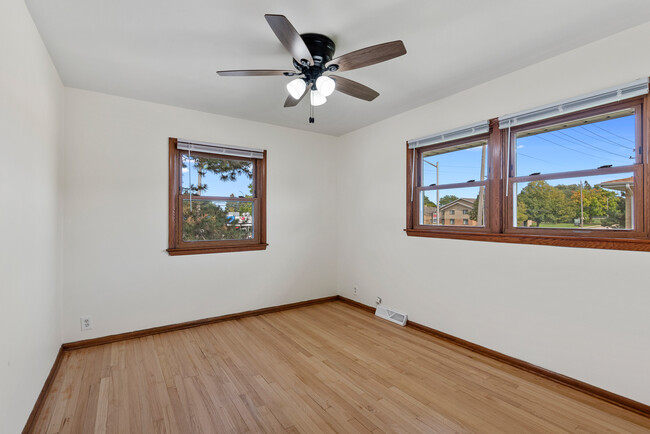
x=313 y=58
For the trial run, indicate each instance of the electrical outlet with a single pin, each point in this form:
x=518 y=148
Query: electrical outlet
x=86 y=323
x=378 y=300
x=355 y=289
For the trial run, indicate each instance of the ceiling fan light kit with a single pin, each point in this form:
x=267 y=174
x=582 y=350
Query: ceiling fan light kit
x=313 y=56
x=325 y=85
x=316 y=98
x=296 y=87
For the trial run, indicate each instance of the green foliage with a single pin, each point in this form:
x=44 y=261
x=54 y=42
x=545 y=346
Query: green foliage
x=208 y=221
x=615 y=213
x=541 y=202
x=444 y=200
x=428 y=202
x=594 y=201
x=522 y=213
x=473 y=213
x=557 y=205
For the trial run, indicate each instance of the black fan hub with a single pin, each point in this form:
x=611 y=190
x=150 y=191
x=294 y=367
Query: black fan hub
x=320 y=46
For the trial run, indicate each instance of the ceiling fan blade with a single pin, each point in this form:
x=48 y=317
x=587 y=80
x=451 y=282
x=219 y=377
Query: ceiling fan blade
x=291 y=102
x=254 y=72
x=352 y=88
x=289 y=37
x=369 y=56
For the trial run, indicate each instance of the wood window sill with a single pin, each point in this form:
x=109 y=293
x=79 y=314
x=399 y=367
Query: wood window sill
x=636 y=244
x=205 y=250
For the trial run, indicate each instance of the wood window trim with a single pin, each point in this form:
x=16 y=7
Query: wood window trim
x=177 y=247
x=414 y=221
x=498 y=214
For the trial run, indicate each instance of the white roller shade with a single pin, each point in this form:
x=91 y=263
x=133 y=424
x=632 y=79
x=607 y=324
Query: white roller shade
x=213 y=148
x=614 y=94
x=457 y=133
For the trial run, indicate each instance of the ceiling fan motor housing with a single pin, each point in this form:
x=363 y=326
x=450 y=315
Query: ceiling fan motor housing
x=322 y=51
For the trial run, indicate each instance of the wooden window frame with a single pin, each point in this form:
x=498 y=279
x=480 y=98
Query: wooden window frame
x=176 y=244
x=498 y=212
x=413 y=222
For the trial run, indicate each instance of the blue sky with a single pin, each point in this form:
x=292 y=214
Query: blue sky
x=577 y=148
x=217 y=187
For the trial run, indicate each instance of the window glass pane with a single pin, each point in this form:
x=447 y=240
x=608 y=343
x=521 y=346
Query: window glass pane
x=455 y=164
x=602 y=202
x=589 y=143
x=217 y=176
x=212 y=220
x=452 y=203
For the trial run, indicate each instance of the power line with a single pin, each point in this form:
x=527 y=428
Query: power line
x=534 y=158
x=570 y=149
x=604 y=138
x=591 y=146
x=613 y=134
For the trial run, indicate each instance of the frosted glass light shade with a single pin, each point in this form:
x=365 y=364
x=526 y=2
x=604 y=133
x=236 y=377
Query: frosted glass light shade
x=296 y=88
x=317 y=98
x=325 y=85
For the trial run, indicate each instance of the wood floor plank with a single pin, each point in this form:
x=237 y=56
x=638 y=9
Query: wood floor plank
x=320 y=368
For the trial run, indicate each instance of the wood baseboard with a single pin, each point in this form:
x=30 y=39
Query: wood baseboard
x=189 y=324
x=612 y=398
x=29 y=425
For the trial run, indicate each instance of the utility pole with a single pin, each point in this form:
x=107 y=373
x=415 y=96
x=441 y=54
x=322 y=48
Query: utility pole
x=437 y=191
x=481 y=192
x=582 y=211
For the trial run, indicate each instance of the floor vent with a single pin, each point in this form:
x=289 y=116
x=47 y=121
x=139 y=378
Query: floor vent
x=391 y=315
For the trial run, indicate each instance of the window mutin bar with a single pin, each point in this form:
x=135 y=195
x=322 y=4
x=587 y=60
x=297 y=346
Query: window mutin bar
x=455 y=185
x=574 y=174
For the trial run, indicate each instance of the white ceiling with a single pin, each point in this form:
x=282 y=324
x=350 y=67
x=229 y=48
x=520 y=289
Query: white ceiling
x=167 y=51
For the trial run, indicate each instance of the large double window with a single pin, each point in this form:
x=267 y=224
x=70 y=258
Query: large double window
x=541 y=177
x=216 y=198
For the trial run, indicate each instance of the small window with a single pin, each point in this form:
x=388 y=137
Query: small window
x=217 y=199
x=465 y=221
x=451 y=176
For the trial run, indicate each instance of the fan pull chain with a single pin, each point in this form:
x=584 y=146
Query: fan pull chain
x=311 y=113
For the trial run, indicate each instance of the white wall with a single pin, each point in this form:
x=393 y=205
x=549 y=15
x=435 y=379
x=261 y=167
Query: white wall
x=580 y=312
x=31 y=126
x=115 y=232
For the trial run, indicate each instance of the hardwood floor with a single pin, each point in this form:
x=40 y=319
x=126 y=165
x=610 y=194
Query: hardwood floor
x=322 y=368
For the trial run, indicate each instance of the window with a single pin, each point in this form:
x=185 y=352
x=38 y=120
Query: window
x=216 y=198
x=558 y=175
x=451 y=176
x=580 y=175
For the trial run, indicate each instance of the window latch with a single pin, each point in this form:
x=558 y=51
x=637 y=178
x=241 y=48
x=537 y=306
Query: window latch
x=605 y=166
x=535 y=173
x=432 y=185
x=472 y=180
